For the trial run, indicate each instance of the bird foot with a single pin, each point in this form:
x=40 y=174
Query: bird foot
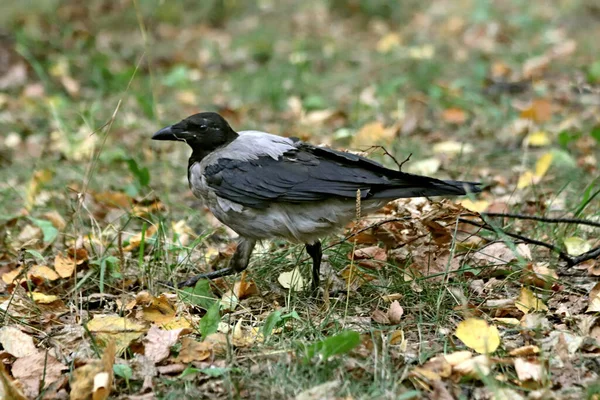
x=208 y=275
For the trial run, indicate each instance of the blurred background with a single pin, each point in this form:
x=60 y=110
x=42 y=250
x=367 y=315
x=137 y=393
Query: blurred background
x=460 y=84
x=503 y=92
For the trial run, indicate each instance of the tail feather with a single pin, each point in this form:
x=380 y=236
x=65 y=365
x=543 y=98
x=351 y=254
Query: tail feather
x=431 y=187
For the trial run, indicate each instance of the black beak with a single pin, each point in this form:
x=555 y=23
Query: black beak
x=166 y=133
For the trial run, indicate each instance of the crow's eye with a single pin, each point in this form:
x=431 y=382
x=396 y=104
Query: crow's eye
x=202 y=127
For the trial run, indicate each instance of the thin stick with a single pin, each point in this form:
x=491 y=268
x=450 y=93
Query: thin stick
x=544 y=219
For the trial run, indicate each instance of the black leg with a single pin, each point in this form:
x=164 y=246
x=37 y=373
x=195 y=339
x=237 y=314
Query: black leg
x=316 y=253
x=239 y=262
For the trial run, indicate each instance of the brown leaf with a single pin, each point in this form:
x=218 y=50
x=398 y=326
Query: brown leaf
x=193 y=350
x=539 y=111
x=32 y=369
x=374 y=133
x=9 y=389
x=380 y=317
x=158 y=342
x=94 y=380
x=454 y=116
x=64 y=266
x=395 y=312
x=16 y=342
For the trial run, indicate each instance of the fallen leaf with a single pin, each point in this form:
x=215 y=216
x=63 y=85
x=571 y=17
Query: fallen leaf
x=478 y=335
x=41 y=298
x=388 y=42
x=594 y=302
x=158 y=342
x=111 y=327
x=528 y=370
x=427 y=166
x=380 y=317
x=57 y=220
x=539 y=111
x=374 y=133
x=292 y=280
x=478 y=206
x=39 y=178
x=537 y=139
x=454 y=116
x=395 y=312
x=94 y=380
x=244 y=337
x=9 y=277
x=451 y=147
x=525 y=351
x=9 y=389
x=36 y=368
x=527 y=302
x=458 y=357
x=136 y=240
x=576 y=246
x=529 y=178
x=39 y=273
x=158 y=310
x=474 y=367
x=16 y=343
x=64 y=266
x=543 y=164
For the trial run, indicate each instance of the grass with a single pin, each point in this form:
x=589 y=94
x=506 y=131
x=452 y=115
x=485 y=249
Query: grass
x=158 y=62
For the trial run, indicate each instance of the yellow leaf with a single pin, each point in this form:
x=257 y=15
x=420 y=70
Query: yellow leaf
x=576 y=246
x=292 y=280
x=159 y=310
x=388 y=42
x=42 y=298
x=111 y=327
x=527 y=302
x=477 y=206
x=526 y=179
x=476 y=334
x=529 y=178
x=543 y=164
x=537 y=139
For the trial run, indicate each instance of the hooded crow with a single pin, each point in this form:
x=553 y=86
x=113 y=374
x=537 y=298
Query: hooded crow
x=265 y=186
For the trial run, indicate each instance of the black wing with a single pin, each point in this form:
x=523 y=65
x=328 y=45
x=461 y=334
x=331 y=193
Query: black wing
x=311 y=174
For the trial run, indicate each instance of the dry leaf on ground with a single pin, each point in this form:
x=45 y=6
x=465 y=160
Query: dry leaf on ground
x=16 y=343
x=35 y=368
x=94 y=380
x=158 y=342
x=527 y=302
x=478 y=335
x=112 y=327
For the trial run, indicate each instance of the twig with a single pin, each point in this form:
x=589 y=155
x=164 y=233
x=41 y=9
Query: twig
x=387 y=153
x=525 y=239
x=544 y=219
x=571 y=261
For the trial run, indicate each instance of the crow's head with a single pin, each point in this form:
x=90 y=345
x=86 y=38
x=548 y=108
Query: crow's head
x=203 y=132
